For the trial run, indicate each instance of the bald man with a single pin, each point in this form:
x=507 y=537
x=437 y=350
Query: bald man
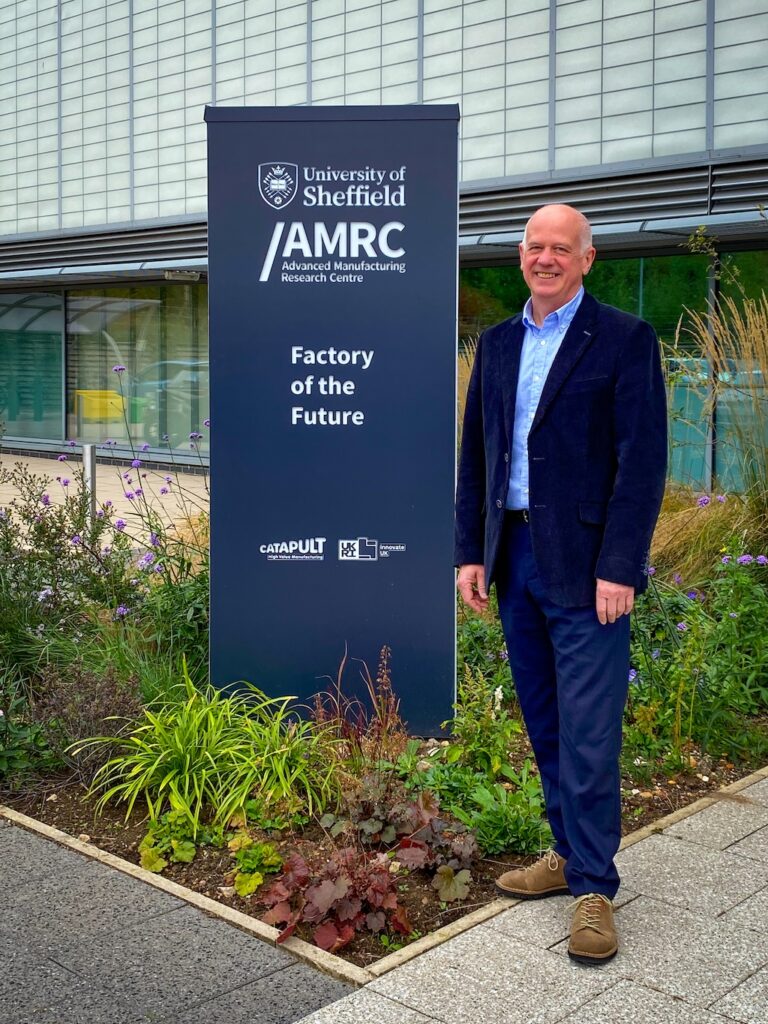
x=561 y=476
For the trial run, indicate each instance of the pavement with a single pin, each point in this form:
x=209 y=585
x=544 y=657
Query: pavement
x=82 y=943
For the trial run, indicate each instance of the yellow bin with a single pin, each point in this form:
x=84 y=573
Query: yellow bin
x=99 y=405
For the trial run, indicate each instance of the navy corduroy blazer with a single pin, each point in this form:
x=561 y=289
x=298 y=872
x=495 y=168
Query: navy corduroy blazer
x=597 y=453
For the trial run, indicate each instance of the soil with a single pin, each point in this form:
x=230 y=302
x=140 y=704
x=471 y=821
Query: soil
x=59 y=802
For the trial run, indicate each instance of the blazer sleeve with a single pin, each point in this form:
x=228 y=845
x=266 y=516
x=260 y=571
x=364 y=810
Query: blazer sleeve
x=640 y=431
x=470 y=491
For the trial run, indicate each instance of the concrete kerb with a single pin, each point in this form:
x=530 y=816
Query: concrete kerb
x=332 y=965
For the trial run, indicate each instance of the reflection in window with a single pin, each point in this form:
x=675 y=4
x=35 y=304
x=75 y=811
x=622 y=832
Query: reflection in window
x=159 y=333
x=30 y=365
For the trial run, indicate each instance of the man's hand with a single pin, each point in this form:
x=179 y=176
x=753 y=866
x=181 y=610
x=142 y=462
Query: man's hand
x=613 y=600
x=471 y=584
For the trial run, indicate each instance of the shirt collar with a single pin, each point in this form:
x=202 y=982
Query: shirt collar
x=561 y=317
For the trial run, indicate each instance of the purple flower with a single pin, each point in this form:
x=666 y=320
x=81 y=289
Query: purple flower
x=130 y=495
x=127 y=477
x=651 y=570
x=61 y=458
x=146 y=560
x=134 y=582
x=761 y=560
x=120 y=525
x=168 y=479
x=45 y=500
x=138 y=492
x=107 y=503
x=682 y=627
x=703 y=501
x=725 y=559
x=3 y=514
x=733 y=615
x=76 y=539
x=632 y=674
x=100 y=514
x=504 y=654
x=65 y=481
x=206 y=423
x=136 y=463
x=71 y=443
x=158 y=568
x=121 y=611
x=144 y=447
x=44 y=594
x=118 y=369
x=721 y=498
x=195 y=436
x=655 y=653
x=677 y=578
x=154 y=540
x=106 y=549
x=745 y=559
x=692 y=594
x=163 y=490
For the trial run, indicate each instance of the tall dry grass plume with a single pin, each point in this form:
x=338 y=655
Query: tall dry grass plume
x=466 y=359
x=732 y=335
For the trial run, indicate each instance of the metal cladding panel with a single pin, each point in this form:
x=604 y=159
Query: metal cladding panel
x=332 y=297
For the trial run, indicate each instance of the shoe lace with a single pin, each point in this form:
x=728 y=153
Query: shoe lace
x=553 y=862
x=588 y=909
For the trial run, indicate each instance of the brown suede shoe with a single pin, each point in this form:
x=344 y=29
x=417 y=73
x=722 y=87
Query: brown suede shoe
x=543 y=878
x=593 y=933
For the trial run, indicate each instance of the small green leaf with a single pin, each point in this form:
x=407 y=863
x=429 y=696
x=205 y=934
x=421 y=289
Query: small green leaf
x=451 y=885
x=183 y=851
x=152 y=861
x=247 y=882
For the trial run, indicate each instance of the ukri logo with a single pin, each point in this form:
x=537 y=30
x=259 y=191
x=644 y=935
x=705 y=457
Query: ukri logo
x=278 y=183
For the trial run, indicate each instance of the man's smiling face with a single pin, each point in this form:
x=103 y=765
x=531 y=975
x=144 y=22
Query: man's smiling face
x=554 y=257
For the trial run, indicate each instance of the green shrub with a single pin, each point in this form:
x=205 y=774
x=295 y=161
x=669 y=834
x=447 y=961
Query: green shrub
x=213 y=752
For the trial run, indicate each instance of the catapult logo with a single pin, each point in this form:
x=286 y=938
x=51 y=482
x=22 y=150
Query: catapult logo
x=308 y=549
x=278 y=183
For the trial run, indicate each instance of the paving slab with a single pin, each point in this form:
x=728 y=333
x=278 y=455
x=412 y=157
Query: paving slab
x=754 y=846
x=88 y=900
x=182 y=952
x=721 y=824
x=757 y=792
x=751 y=913
x=629 y=1003
x=544 y=923
x=748 y=1001
x=27 y=858
x=367 y=1007
x=35 y=990
x=486 y=975
x=688 y=875
x=681 y=953
x=277 y=999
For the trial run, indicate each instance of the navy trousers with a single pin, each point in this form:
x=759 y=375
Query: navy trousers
x=571 y=676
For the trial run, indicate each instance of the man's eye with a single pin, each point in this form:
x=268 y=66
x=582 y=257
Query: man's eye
x=534 y=248
x=562 y=251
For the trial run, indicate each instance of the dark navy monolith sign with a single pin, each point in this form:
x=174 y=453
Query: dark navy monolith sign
x=332 y=289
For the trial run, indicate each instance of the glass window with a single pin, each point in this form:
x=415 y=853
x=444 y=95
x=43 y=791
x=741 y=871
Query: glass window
x=160 y=334
x=31 y=334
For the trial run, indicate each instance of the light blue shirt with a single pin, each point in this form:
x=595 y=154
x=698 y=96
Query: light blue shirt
x=540 y=346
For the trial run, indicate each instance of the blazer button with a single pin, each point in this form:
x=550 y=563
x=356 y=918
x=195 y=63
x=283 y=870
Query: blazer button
x=506 y=456
x=499 y=503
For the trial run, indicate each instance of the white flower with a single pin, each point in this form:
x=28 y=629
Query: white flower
x=498 y=695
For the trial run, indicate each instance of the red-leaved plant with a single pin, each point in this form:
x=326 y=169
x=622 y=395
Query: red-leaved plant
x=353 y=891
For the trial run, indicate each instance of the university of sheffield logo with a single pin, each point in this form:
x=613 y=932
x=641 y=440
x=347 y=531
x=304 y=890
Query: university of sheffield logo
x=278 y=183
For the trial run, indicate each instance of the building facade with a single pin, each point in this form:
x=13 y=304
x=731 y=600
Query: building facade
x=650 y=116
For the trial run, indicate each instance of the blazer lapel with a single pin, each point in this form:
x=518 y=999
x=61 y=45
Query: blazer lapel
x=577 y=337
x=509 y=359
